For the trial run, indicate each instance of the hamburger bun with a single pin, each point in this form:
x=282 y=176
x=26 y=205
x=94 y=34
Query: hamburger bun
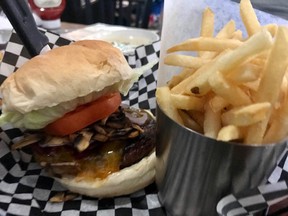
x=123 y=182
x=62 y=79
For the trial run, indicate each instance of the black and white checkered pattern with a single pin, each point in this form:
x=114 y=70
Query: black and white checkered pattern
x=25 y=188
x=257 y=201
x=16 y=54
x=142 y=94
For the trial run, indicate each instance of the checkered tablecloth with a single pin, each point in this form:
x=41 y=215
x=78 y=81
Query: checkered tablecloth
x=259 y=201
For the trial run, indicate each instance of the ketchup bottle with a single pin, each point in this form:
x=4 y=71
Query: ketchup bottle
x=49 y=11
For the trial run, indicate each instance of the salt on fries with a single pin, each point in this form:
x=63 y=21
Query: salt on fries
x=236 y=88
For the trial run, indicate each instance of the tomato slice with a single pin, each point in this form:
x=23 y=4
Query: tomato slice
x=84 y=115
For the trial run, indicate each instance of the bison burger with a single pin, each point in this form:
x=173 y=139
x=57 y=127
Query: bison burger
x=69 y=102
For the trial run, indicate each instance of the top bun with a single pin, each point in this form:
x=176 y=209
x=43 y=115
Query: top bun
x=67 y=73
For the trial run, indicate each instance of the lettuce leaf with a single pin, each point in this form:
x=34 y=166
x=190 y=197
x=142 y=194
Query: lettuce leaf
x=38 y=119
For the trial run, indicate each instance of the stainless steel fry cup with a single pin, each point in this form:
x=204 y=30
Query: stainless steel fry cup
x=194 y=172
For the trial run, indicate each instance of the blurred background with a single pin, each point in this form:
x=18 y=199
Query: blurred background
x=276 y=7
x=136 y=13
x=64 y=16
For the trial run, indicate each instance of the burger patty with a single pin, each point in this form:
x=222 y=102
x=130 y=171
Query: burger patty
x=107 y=146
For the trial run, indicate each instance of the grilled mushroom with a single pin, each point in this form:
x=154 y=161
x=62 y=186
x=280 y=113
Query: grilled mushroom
x=100 y=129
x=51 y=141
x=123 y=132
x=100 y=137
x=63 y=196
x=45 y=164
x=137 y=127
x=133 y=134
x=82 y=141
x=28 y=139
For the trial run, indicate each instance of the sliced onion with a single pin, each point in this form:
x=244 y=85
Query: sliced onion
x=53 y=141
x=136 y=117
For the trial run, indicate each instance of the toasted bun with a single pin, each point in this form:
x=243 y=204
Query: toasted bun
x=66 y=73
x=126 y=181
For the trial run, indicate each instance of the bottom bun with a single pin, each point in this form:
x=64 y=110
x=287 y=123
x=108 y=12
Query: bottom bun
x=126 y=181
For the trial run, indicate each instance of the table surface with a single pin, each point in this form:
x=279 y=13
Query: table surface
x=68 y=27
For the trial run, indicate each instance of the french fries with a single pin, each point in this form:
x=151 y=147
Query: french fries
x=233 y=94
x=270 y=84
x=246 y=115
x=212 y=123
x=218 y=103
x=207 y=28
x=230 y=133
x=249 y=17
x=185 y=61
x=163 y=98
x=190 y=122
x=225 y=62
x=205 y=44
x=236 y=89
x=187 y=102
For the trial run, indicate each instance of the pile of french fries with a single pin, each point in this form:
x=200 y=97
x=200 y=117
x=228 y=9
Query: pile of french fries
x=235 y=88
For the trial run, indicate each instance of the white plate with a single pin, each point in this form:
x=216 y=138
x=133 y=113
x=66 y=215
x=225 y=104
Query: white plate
x=127 y=40
x=132 y=37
